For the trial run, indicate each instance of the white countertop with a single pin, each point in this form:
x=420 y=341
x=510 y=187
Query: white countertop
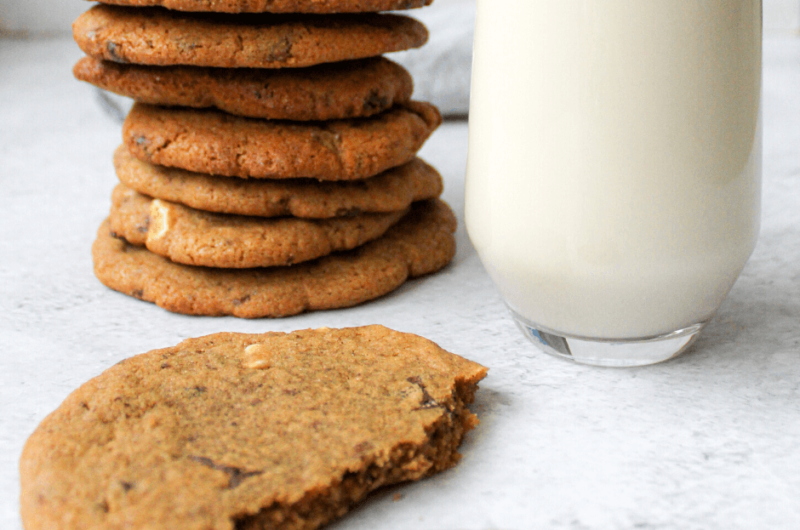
x=710 y=440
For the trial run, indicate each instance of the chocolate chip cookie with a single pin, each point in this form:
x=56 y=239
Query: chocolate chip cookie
x=277 y=6
x=394 y=189
x=213 y=142
x=246 y=431
x=347 y=89
x=421 y=243
x=156 y=36
x=195 y=237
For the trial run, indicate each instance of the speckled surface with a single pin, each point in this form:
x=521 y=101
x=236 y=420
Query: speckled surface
x=708 y=441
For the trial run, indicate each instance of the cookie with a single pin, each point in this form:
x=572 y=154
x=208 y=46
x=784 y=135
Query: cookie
x=326 y=92
x=390 y=191
x=158 y=36
x=210 y=141
x=421 y=243
x=195 y=237
x=277 y=6
x=247 y=431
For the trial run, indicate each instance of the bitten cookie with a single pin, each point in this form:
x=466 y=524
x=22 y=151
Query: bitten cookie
x=195 y=237
x=394 y=189
x=421 y=243
x=277 y=6
x=209 y=141
x=158 y=36
x=280 y=431
x=332 y=91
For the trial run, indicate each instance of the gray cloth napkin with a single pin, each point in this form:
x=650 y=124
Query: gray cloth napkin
x=441 y=68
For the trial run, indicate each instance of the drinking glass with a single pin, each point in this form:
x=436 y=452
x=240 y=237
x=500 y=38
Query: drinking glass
x=614 y=167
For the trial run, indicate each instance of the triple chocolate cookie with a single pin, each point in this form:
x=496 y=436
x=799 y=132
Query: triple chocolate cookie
x=282 y=431
x=393 y=190
x=158 y=36
x=347 y=89
x=421 y=243
x=195 y=237
x=209 y=141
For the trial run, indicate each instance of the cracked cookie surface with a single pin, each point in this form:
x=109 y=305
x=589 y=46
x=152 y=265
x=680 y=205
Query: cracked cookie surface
x=421 y=243
x=241 y=432
x=394 y=189
x=277 y=6
x=157 y=36
x=194 y=237
x=325 y=92
x=213 y=142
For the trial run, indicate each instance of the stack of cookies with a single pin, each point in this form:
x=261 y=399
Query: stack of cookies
x=269 y=164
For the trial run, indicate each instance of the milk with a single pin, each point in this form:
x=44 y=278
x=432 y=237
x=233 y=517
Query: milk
x=614 y=170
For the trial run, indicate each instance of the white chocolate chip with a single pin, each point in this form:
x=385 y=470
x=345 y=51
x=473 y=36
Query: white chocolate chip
x=257 y=364
x=258 y=356
x=159 y=219
x=253 y=349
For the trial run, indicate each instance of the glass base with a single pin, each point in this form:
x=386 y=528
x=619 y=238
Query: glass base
x=609 y=352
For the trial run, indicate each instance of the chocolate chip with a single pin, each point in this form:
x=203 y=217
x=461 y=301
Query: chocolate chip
x=113 y=51
x=348 y=212
x=427 y=400
x=363 y=447
x=279 y=51
x=375 y=102
x=186 y=46
x=240 y=301
x=236 y=475
x=142 y=228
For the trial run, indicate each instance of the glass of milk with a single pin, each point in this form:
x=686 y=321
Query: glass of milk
x=614 y=168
